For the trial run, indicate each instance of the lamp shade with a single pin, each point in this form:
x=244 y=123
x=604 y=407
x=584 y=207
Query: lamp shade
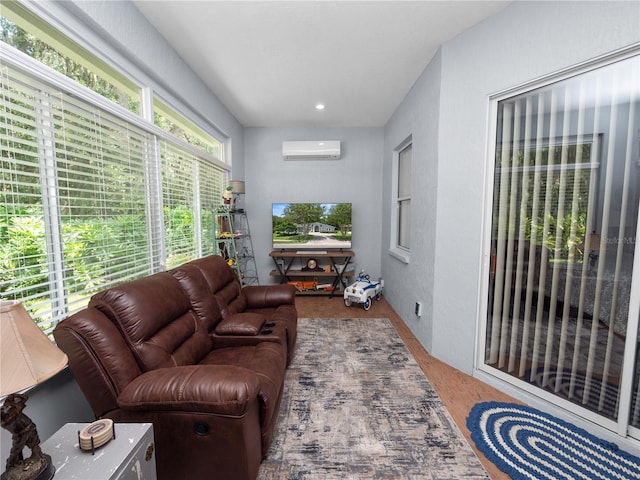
x=237 y=186
x=27 y=356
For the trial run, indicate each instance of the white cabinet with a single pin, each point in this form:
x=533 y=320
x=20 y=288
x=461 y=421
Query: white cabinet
x=129 y=456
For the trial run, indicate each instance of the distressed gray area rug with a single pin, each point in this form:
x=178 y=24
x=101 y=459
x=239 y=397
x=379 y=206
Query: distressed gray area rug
x=357 y=406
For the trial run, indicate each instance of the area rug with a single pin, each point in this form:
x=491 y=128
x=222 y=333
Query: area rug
x=529 y=444
x=357 y=406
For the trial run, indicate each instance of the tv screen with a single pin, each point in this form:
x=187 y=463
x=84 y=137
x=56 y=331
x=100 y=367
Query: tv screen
x=313 y=226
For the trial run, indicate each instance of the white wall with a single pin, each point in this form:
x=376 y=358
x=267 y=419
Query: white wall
x=354 y=178
x=523 y=42
x=406 y=284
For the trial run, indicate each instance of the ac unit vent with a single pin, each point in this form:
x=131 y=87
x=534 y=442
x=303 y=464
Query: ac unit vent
x=309 y=150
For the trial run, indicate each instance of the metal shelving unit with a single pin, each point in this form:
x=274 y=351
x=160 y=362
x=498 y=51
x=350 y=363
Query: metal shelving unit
x=232 y=240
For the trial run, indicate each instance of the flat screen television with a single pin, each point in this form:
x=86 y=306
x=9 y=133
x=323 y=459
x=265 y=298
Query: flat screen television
x=311 y=226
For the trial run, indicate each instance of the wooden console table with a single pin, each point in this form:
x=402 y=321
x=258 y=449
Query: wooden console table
x=314 y=272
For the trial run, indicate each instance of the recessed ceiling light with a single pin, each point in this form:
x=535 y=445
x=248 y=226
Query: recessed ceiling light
x=320 y=106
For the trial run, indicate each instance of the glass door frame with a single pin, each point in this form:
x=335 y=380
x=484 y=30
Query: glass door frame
x=621 y=426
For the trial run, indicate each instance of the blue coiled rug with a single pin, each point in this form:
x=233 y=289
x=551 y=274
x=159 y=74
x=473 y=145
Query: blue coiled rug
x=529 y=444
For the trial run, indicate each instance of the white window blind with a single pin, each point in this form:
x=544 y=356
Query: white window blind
x=211 y=181
x=191 y=186
x=74 y=186
x=178 y=203
x=81 y=190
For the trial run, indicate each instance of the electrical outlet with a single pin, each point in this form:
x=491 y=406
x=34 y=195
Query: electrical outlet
x=418 y=309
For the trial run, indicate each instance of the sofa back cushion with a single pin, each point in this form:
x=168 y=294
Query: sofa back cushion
x=221 y=282
x=99 y=358
x=155 y=318
x=197 y=289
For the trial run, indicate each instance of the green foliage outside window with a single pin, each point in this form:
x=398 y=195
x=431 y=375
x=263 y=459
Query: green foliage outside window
x=14 y=35
x=559 y=222
x=101 y=208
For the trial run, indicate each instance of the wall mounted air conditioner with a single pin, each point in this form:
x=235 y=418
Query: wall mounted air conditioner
x=309 y=150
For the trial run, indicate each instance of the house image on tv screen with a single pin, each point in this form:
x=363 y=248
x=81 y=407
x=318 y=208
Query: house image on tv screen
x=318 y=228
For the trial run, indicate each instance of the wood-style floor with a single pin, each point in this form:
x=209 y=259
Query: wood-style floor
x=458 y=391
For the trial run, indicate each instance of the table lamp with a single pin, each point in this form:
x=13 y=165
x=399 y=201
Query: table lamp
x=237 y=189
x=27 y=358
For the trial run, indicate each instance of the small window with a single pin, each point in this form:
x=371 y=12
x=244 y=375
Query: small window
x=172 y=122
x=404 y=198
x=401 y=202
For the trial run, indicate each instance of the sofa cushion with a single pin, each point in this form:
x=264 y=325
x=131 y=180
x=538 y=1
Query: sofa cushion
x=200 y=294
x=99 y=358
x=268 y=363
x=241 y=324
x=155 y=318
x=221 y=281
x=190 y=389
x=256 y=296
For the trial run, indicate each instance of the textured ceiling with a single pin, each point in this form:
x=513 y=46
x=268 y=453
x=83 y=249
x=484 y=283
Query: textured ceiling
x=270 y=62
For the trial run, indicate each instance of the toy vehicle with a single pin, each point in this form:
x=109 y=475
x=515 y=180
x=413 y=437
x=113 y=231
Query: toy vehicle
x=362 y=291
x=227 y=235
x=302 y=286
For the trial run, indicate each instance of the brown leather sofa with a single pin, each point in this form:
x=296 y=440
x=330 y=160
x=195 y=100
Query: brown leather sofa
x=195 y=354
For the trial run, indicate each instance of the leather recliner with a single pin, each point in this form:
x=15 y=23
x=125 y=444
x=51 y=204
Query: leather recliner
x=191 y=354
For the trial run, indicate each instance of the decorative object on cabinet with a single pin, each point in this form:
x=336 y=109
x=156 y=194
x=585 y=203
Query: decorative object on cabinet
x=312 y=265
x=314 y=272
x=28 y=358
x=96 y=434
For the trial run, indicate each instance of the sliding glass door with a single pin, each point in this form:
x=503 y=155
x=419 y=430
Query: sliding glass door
x=564 y=276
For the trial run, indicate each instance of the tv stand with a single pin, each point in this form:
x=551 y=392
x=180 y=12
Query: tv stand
x=313 y=272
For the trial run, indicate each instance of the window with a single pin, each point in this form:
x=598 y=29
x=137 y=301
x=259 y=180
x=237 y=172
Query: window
x=401 y=213
x=404 y=197
x=561 y=309
x=30 y=35
x=91 y=194
x=73 y=198
x=172 y=122
x=190 y=188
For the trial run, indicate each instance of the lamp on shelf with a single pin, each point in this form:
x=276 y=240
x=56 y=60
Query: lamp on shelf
x=28 y=358
x=237 y=189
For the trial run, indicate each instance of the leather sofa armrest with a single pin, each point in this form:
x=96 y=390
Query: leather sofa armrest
x=245 y=323
x=263 y=296
x=216 y=389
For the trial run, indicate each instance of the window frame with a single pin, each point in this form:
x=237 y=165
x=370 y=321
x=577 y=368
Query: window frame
x=396 y=250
